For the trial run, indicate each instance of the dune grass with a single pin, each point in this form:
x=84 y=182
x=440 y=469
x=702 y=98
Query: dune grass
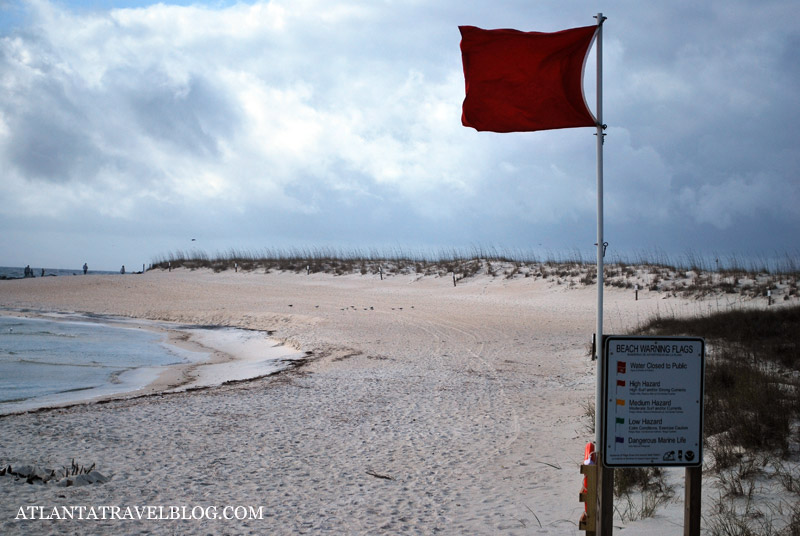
x=752 y=419
x=752 y=373
x=687 y=275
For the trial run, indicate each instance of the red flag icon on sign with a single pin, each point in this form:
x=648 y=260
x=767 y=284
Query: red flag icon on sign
x=621 y=366
x=525 y=81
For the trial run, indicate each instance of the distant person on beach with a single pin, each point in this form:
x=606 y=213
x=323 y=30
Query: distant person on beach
x=122 y=270
x=28 y=271
x=42 y=272
x=85 y=268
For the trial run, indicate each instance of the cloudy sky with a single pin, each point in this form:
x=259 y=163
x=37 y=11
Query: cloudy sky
x=127 y=129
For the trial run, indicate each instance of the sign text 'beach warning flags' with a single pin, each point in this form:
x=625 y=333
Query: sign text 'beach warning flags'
x=525 y=81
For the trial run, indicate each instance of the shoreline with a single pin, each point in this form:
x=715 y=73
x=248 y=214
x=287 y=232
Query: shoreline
x=210 y=356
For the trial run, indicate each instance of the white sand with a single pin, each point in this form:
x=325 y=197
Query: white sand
x=469 y=399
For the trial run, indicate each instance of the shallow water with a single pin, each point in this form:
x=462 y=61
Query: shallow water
x=64 y=358
x=50 y=359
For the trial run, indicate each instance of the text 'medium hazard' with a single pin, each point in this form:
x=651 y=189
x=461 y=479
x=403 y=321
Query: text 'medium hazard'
x=653 y=401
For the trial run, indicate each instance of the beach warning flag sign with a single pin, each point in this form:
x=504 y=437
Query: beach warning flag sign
x=525 y=81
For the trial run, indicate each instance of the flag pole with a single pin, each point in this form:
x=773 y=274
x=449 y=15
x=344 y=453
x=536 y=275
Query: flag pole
x=605 y=480
x=600 y=248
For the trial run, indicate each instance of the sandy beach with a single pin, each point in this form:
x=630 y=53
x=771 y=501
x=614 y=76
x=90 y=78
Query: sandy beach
x=423 y=408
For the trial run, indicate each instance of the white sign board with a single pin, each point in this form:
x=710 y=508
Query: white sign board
x=653 y=401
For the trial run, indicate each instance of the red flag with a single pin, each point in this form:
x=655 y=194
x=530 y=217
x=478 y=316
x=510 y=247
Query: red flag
x=524 y=81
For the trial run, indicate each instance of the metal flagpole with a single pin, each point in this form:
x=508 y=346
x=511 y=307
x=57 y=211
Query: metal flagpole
x=599 y=330
x=605 y=480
